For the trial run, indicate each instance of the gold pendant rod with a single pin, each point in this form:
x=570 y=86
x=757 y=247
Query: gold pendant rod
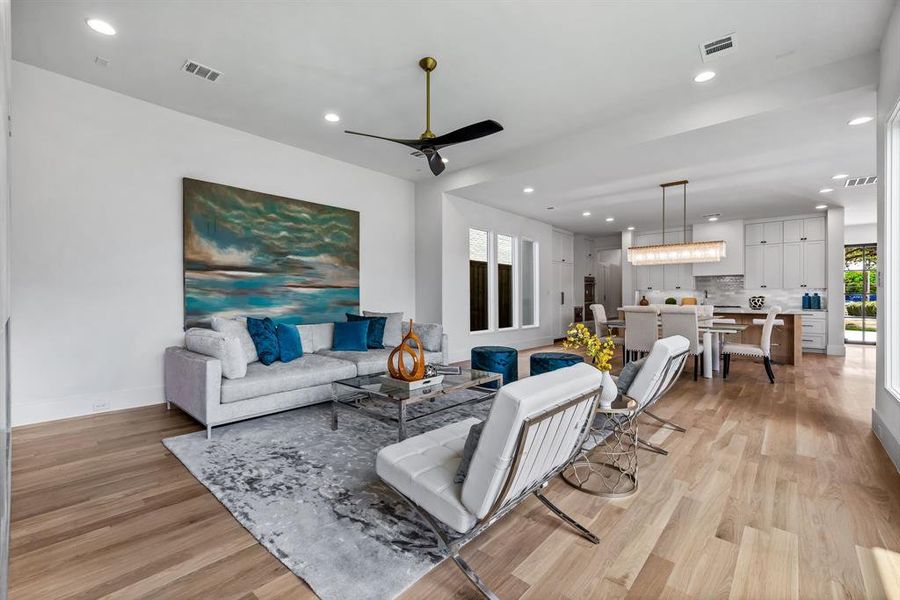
x=427 y=64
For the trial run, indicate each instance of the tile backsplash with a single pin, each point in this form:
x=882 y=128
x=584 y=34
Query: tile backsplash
x=729 y=290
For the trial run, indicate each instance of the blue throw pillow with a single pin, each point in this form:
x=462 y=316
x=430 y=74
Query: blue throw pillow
x=350 y=336
x=289 y=344
x=375 y=337
x=262 y=332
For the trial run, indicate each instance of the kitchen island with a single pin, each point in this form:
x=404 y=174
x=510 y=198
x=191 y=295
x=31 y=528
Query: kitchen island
x=788 y=340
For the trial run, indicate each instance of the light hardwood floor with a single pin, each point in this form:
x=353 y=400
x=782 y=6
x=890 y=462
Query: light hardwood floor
x=774 y=492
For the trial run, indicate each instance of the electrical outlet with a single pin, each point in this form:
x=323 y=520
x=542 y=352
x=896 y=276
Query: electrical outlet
x=101 y=405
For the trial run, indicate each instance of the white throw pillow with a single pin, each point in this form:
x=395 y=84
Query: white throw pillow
x=237 y=328
x=227 y=349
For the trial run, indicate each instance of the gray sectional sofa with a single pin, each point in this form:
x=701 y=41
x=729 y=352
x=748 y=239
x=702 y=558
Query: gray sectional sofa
x=195 y=383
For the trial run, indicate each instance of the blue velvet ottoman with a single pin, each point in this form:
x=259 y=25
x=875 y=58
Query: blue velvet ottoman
x=544 y=362
x=497 y=359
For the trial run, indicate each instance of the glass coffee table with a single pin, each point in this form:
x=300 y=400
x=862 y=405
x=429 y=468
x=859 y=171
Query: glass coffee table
x=370 y=391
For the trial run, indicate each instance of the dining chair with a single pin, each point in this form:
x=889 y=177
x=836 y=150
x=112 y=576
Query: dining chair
x=600 y=325
x=762 y=351
x=641 y=331
x=683 y=321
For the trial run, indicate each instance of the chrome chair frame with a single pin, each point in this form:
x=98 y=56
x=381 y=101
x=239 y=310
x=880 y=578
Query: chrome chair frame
x=661 y=390
x=501 y=506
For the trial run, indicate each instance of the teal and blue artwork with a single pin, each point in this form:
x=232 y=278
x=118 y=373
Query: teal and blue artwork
x=258 y=255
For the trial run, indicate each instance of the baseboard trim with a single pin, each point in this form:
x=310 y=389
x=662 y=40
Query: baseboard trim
x=79 y=405
x=889 y=441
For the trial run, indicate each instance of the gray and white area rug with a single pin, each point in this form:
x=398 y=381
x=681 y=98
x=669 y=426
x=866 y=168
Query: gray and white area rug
x=310 y=495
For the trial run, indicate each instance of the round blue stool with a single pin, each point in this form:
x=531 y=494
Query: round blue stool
x=544 y=362
x=497 y=359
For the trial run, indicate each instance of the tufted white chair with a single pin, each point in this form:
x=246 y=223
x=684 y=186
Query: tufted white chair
x=641 y=330
x=601 y=328
x=761 y=351
x=683 y=321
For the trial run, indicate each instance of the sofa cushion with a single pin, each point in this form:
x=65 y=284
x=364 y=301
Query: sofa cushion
x=392 y=333
x=422 y=468
x=351 y=335
x=375 y=338
x=431 y=334
x=307 y=371
x=289 y=345
x=374 y=361
x=316 y=336
x=262 y=332
x=237 y=328
x=217 y=345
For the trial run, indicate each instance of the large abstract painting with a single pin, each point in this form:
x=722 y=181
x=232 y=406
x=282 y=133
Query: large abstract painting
x=253 y=254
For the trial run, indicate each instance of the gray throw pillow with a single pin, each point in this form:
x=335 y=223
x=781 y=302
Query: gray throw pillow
x=237 y=328
x=431 y=334
x=217 y=345
x=392 y=333
x=629 y=372
x=468 y=452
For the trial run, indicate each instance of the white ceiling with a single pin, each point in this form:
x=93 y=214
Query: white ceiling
x=545 y=70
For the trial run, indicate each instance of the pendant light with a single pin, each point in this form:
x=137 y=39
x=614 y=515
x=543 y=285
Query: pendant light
x=679 y=253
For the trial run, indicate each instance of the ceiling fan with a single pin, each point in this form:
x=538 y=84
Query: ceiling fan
x=428 y=144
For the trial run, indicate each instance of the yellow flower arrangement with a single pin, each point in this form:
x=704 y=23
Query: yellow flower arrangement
x=599 y=350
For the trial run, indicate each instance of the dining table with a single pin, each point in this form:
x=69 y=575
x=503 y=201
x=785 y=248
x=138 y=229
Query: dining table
x=710 y=331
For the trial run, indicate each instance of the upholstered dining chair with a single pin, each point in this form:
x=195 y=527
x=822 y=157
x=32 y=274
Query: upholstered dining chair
x=763 y=350
x=600 y=325
x=683 y=321
x=641 y=330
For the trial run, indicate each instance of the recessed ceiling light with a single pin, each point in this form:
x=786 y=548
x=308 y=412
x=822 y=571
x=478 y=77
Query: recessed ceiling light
x=704 y=76
x=840 y=176
x=610 y=219
x=821 y=206
x=101 y=26
x=527 y=190
x=826 y=190
x=631 y=229
x=332 y=117
x=859 y=120
x=445 y=160
x=712 y=219
x=586 y=213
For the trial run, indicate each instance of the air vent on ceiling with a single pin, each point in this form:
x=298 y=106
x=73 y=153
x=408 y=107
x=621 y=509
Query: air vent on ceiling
x=718 y=47
x=858 y=181
x=195 y=68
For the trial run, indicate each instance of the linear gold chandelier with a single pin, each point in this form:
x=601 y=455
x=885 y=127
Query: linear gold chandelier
x=677 y=253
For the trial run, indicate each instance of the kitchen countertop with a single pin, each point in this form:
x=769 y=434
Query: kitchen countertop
x=763 y=311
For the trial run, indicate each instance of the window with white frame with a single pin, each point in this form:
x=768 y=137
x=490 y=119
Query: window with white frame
x=529 y=283
x=479 y=313
x=889 y=276
x=506 y=280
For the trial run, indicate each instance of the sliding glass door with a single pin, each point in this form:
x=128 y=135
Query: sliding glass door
x=860 y=293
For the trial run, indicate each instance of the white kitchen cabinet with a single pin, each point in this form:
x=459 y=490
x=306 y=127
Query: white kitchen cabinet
x=563 y=247
x=563 y=301
x=764 y=233
x=793 y=276
x=763 y=267
x=814 y=229
x=732 y=233
x=803 y=230
x=650 y=277
x=753 y=267
x=678 y=277
x=804 y=265
x=814 y=265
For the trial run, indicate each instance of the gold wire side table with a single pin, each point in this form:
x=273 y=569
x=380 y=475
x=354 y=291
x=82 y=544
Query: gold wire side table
x=607 y=466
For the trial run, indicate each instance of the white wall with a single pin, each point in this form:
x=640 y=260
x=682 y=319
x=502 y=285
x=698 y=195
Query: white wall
x=861 y=234
x=886 y=415
x=458 y=216
x=97 y=242
x=834 y=279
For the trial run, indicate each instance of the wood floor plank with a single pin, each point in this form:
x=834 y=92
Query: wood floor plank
x=774 y=491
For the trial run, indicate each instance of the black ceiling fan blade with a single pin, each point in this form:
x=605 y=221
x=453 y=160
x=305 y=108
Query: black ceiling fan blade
x=467 y=133
x=435 y=162
x=417 y=144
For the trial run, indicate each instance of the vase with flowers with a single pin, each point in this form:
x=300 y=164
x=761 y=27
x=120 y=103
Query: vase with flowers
x=600 y=351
